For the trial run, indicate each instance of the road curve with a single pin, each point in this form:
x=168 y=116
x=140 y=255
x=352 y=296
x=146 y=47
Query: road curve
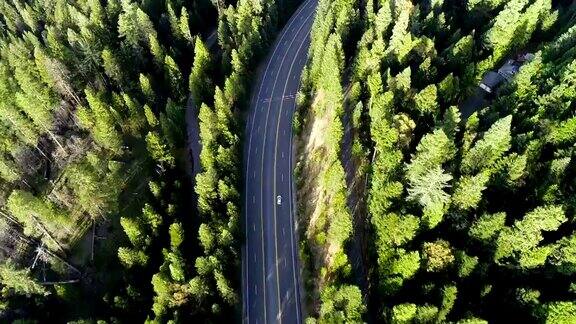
x=271 y=282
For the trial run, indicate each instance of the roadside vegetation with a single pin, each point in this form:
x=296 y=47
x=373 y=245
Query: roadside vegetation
x=325 y=221
x=471 y=220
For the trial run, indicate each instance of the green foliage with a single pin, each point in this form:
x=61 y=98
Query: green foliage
x=562 y=312
x=401 y=42
x=8 y=170
x=461 y=51
x=92 y=115
x=426 y=313
x=426 y=100
x=437 y=255
x=406 y=265
x=158 y=149
x=500 y=36
x=16 y=281
x=134 y=26
x=112 y=66
x=132 y=257
x=96 y=184
x=487 y=226
x=342 y=304
x=490 y=148
x=206 y=237
x=402 y=81
x=427 y=180
x=563 y=255
x=176 y=233
x=473 y=320
x=152 y=218
x=174 y=77
x=133 y=229
x=451 y=122
x=468 y=191
x=449 y=294
x=39 y=216
x=428 y=190
x=466 y=178
x=395 y=230
x=523 y=238
x=99 y=119
x=146 y=88
x=412 y=313
x=73 y=130
x=403 y=313
x=339 y=301
x=405 y=127
x=433 y=150
x=200 y=82
x=466 y=264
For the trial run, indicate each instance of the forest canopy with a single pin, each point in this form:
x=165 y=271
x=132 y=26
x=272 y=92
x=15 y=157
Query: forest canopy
x=467 y=218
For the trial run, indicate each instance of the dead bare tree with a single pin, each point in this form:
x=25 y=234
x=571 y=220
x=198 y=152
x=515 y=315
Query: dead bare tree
x=62 y=79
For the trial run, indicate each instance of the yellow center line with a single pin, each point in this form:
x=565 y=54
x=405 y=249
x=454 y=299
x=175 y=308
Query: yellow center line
x=262 y=169
x=298 y=12
x=276 y=155
x=247 y=292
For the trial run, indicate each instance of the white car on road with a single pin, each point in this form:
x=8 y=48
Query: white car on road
x=279 y=200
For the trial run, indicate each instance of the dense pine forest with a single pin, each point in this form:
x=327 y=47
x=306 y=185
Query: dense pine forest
x=467 y=220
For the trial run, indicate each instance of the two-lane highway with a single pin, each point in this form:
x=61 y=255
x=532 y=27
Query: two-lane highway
x=270 y=268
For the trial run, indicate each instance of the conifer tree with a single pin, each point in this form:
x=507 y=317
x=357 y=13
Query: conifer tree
x=200 y=81
x=132 y=257
x=158 y=149
x=185 y=25
x=174 y=77
x=19 y=282
x=490 y=148
x=101 y=122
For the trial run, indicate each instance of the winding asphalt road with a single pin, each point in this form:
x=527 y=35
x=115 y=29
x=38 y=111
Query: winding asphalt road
x=271 y=285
